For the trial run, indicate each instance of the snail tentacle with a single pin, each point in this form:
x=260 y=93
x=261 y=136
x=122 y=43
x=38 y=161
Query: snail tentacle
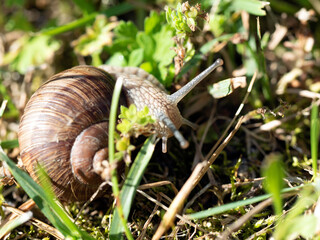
x=182 y=92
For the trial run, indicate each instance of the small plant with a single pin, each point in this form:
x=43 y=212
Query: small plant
x=184 y=20
x=185 y=17
x=133 y=123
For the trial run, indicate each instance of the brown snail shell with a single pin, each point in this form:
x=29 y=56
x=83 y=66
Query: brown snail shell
x=61 y=109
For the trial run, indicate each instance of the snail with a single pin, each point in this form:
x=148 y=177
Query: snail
x=64 y=127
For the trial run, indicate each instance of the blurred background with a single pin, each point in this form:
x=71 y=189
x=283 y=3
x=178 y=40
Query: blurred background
x=278 y=40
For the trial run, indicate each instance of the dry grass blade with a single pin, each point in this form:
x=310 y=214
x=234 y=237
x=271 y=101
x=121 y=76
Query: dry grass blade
x=3 y=107
x=276 y=123
x=102 y=185
x=14 y=223
x=239 y=222
x=235 y=115
x=166 y=208
x=200 y=170
x=54 y=232
x=26 y=206
x=145 y=226
x=158 y=184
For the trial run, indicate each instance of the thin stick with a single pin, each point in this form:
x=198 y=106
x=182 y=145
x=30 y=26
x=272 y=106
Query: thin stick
x=235 y=115
x=158 y=184
x=166 y=208
x=94 y=195
x=239 y=222
x=200 y=170
x=146 y=224
x=197 y=174
x=198 y=194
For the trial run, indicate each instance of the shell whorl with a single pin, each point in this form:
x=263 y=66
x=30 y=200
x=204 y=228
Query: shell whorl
x=62 y=108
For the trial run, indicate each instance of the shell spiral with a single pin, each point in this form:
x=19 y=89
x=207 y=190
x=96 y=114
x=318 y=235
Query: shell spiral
x=57 y=113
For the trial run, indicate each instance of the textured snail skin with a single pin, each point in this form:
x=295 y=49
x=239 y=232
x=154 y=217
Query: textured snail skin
x=143 y=89
x=65 y=124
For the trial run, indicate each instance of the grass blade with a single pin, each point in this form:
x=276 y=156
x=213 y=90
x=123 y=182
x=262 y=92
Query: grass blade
x=273 y=182
x=112 y=11
x=15 y=223
x=49 y=207
x=229 y=206
x=131 y=184
x=111 y=150
x=9 y=144
x=314 y=137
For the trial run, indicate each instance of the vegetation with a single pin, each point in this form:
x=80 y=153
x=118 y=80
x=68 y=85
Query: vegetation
x=251 y=170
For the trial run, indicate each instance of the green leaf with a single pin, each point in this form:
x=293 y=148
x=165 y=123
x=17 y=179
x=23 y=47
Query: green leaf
x=126 y=30
x=146 y=43
x=166 y=74
x=304 y=226
x=136 y=57
x=274 y=173
x=251 y=6
x=125 y=126
x=123 y=45
x=125 y=39
x=144 y=111
x=123 y=144
x=23 y=56
x=191 y=24
x=132 y=112
x=217 y=24
x=123 y=112
x=151 y=50
x=86 y=6
x=9 y=144
x=117 y=59
x=96 y=37
x=225 y=87
x=294 y=222
x=164 y=53
x=153 y=23
x=147 y=66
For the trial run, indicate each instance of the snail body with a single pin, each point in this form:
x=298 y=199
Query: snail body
x=65 y=124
